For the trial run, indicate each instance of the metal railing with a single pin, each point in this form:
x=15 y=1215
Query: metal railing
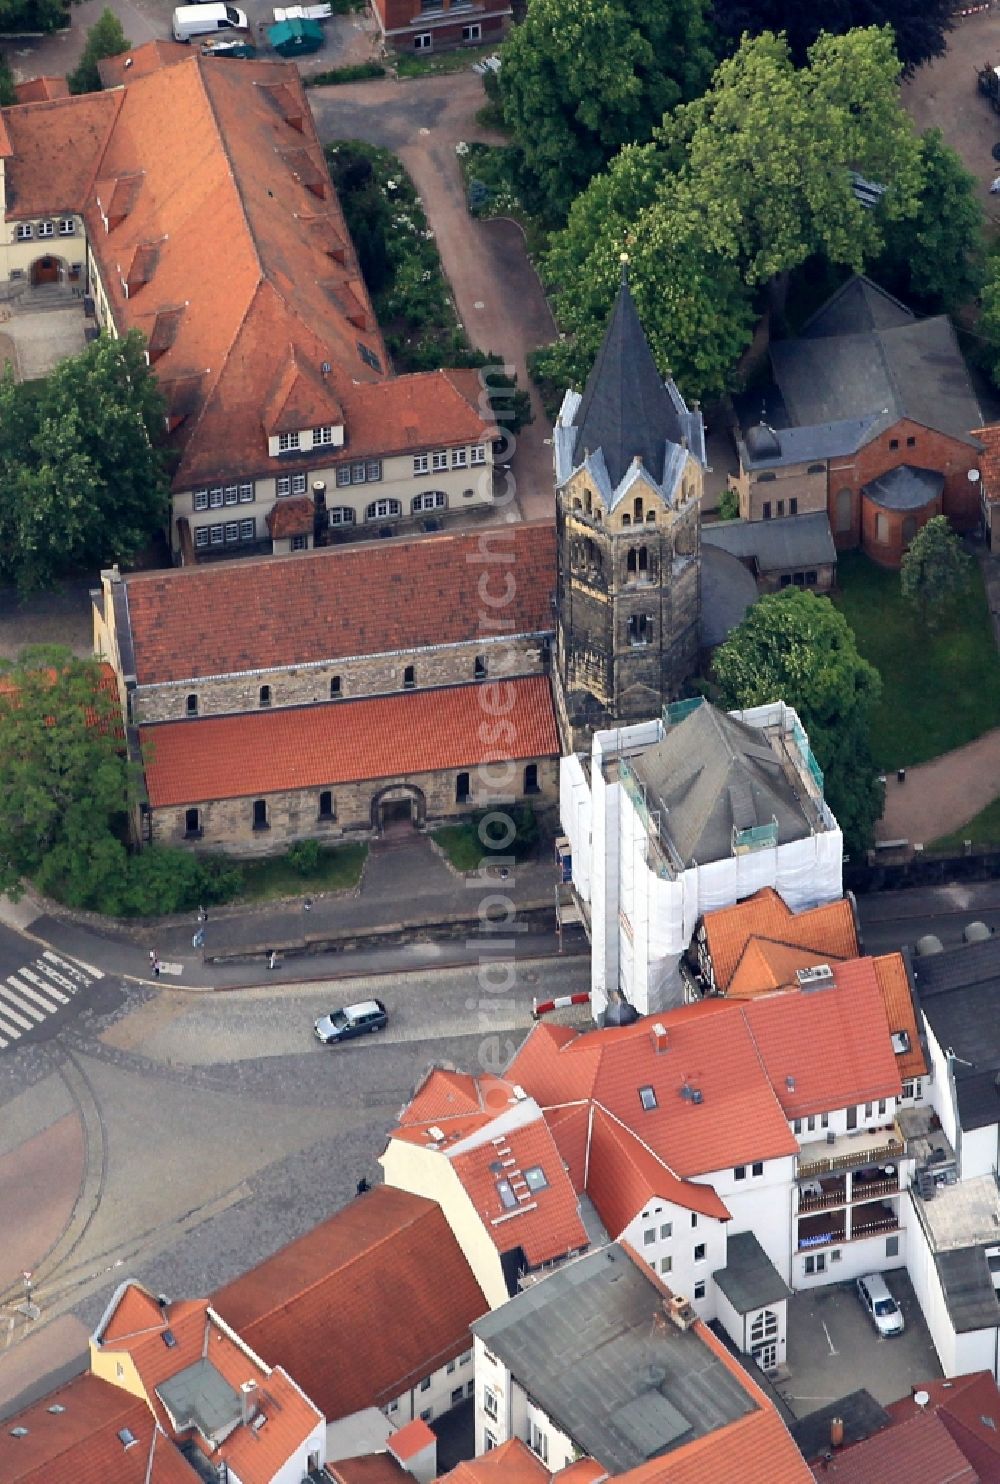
x=757 y=837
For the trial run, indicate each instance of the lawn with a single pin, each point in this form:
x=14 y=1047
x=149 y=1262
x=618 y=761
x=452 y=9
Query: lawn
x=940 y=686
x=983 y=830
x=460 y=843
x=456 y=61
x=338 y=867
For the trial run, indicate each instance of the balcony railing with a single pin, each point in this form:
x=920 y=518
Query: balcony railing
x=828 y=1231
x=866 y=1190
x=821 y=1201
x=848 y=1159
x=870 y=1228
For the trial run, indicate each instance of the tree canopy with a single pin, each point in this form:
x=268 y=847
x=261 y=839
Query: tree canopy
x=796 y=647
x=82 y=481
x=935 y=569
x=105 y=38
x=8 y=93
x=18 y=16
x=580 y=81
x=919 y=26
x=736 y=189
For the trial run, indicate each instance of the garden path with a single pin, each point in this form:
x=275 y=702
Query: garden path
x=938 y=797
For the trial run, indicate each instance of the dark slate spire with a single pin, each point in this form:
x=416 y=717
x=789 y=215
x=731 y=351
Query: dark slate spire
x=625 y=409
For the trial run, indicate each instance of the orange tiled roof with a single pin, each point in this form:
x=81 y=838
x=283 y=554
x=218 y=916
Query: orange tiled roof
x=335 y=1292
x=571 y=1130
x=353 y=600
x=415 y=732
x=149 y=57
x=766 y=965
x=253 y=1454
x=894 y=986
x=41 y=89
x=969 y=1407
x=293 y=517
x=827 y=1048
x=512 y=1463
x=136 y=1313
x=411 y=1439
x=369 y=1468
x=989 y=461
x=912 y=1452
x=55 y=150
x=546 y=1224
x=623 y=1175
x=81 y=1443
x=829 y=930
x=446 y=1094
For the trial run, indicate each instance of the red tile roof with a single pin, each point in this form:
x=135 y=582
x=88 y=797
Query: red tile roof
x=969 y=1407
x=832 y=1043
x=827 y=930
x=413 y=733
x=369 y=1468
x=149 y=57
x=335 y=1293
x=989 y=459
x=411 y=1440
x=571 y=1130
x=55 y=150
x=710 y=1047
x=81 y=1442
x=623 y=1175
x=255 y=1455
x=370 y=598
x=41 y=89
x=294 y=517
x=897 y=999
x=445 y=1094
x=919 y=1451
x=512 y=1463
x=766 y=965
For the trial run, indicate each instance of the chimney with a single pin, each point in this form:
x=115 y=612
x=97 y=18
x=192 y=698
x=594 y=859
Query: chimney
x=836 y=1432
x=248 y=1402
x=659 y=1034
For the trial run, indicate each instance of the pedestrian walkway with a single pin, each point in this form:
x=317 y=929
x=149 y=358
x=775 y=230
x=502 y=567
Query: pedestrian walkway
x=939 y=797
x=39 y=990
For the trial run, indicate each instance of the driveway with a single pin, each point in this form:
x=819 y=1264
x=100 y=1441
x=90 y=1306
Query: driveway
x=499 y=298
x=943 y=95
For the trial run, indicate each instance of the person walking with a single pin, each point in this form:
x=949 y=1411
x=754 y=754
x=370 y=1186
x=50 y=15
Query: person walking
x=156 y=968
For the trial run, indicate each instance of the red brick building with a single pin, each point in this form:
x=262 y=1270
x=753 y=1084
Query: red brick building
x=440 y=25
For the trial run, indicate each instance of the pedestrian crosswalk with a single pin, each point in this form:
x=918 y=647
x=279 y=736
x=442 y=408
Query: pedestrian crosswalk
x=37 y=990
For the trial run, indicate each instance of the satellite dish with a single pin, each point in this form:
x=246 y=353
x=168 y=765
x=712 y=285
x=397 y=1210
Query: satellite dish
x=973 y=476
x=921 y=1398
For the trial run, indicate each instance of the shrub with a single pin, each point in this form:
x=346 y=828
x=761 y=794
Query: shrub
x=304 y=857
x=352 y=72
x=729 y=505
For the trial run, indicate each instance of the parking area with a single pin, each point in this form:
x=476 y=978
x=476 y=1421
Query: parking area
x=833 y=1348
x=943 y=95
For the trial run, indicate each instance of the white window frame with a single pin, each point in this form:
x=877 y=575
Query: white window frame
x=478 y=454
x=283 y=486
x=373 y=469
x=46 y=229
x=216 y=496
x=67 y=226
x=200 y=536
x=459 y=458
x=343 y=476
x=298 y=484
x=248 y=530
x=288 y=442
x=384 y=509
x=216 y=535
x=322 y=436
x=232 y=494
x=423 y=42
x=538 y=1440
x=24 y=232
x=439 y=460
x=473 y=32
x=247 y=492
x=491 y=1405
x=421 y=463
x=430 y=500
x=232 y=532
x=300 y=542
x=199 y=500
x=341 y=515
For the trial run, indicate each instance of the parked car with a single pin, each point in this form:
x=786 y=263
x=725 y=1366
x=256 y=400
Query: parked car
x=202 y=20
x=352 y=1020
x=882 y=1308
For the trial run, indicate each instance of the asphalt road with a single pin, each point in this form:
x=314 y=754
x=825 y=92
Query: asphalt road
x=896 y=919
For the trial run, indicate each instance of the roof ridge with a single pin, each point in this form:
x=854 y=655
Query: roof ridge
x=99 y=156
x=199 y=63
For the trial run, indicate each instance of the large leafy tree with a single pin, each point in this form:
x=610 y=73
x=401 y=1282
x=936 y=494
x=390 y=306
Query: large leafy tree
x=63 y=780
x=580 y=81
x=104 y=39
x=82 y=481
x=17 y=16
x=797 y=647
x=919 y=26
x=935 y=570
x=737 y=189
x=937 y=255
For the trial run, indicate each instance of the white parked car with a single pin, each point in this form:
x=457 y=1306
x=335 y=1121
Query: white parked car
x=882 y=1308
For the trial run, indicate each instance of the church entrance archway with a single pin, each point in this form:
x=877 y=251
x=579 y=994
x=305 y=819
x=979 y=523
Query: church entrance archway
x=398 y=810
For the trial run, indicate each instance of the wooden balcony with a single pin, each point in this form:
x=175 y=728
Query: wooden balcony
x=849 y=1151
x=823 y=1194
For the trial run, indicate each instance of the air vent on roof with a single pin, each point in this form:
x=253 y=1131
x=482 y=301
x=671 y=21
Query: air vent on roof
x=326 y=368
x=790 y=1084
x=659 y=1034
x=19 y=1432
x=56 y=1408
x=696 y=1095
x=680 y=1312
x=519 y=1092
x=127 y=1437
x=815 y=978
x=437 y=1134
x=900 y=1042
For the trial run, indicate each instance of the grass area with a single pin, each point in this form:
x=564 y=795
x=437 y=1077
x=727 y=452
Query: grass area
x=940 y=686
x=457 y=61
x=493 y=187
x=983 y=830
x=463 y=846
x=337 y=868
x=460 y=843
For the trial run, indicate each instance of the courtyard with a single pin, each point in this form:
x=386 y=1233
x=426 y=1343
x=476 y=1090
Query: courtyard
x=43 y=326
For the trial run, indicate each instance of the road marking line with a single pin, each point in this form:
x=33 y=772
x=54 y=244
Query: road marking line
x=58 y=978
x=22 y=1004
x=46 y=999
x=9 y=1014
x=74 y=968
x=833 y=1349
x=14 y=1034
x=3 y=1043
x=40 y=983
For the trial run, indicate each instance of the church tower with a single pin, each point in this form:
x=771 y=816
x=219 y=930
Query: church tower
x=629 y=465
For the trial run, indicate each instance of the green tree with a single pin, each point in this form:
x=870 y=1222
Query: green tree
x=796 y=647
x=919 y=26
x=63 y=781
x=937 y=255
x=737 y=189
x=8 y=93
x=729 y=505
x=104 y=39
x=935 y=569
x=82 y=481
x=580 y=81
x=32 y=15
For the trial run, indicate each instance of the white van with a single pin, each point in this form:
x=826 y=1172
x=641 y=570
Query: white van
x=207 y=20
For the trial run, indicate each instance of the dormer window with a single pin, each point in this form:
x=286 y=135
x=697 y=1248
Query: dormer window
x=287 y=442
x=322 y=435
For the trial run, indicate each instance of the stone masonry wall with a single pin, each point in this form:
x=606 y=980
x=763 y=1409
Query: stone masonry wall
x=227 y=824
x=366 y=675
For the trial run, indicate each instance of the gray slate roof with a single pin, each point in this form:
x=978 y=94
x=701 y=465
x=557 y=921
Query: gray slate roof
x=728 y=589
x=968 y=1288
x=625 y=408
x=803 y=445
x=791 y=541
x=904 y=488
x=712 y=774
x=857 y=307
x=750 y=1280
x=913 y=370
x=959 y=994
x=860 y=1413
x=592 y=1346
